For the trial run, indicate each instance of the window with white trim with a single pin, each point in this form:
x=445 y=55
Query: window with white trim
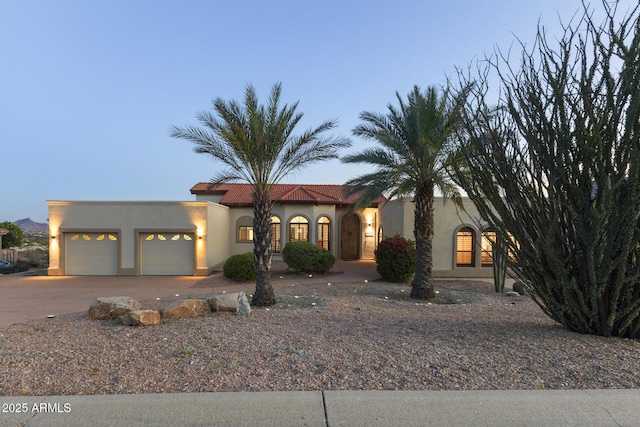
x=299 y=229
x=244 y=229
x=465 y=247
x=245 y=233
x=324 y=232
x=275 y=234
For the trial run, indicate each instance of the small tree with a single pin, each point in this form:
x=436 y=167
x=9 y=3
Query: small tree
x=14 y=238
x=557 y=164
x=414 y=147
x=258 y=145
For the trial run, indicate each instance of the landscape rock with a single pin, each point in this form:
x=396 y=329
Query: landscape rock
x=141 y=318
x=517 y=287
x=243 y=308
x=224 y=302
x=187 y=308
x=512 y=294
x=112 y=307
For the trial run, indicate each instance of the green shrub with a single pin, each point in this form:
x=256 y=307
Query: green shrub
x=21 y=266
x=36 y=258
x=307 y=258
x=396 y=259
x=240 y=267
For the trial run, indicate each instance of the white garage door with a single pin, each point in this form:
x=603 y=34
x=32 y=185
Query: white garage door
x=167 y=254
x=94 y=254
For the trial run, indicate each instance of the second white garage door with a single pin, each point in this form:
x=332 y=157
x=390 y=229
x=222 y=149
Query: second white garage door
x=167 y=254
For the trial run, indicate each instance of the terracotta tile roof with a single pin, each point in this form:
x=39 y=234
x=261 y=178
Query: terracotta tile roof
x=319 y=194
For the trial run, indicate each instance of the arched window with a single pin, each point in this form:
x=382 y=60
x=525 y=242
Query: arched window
x=324 y=231
x=486 y=253
x=299 y=229
x=465 y=247
x=275 y=234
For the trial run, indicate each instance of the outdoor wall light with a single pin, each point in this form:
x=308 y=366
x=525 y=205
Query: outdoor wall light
x=199 y=237
x=53 y=237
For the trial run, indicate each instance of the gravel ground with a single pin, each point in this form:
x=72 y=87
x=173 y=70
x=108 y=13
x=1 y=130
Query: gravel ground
x=349 y=336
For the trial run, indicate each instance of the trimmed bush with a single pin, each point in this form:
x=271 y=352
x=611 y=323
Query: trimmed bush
x=307 y=258
x=240 y=267
x=396 y=259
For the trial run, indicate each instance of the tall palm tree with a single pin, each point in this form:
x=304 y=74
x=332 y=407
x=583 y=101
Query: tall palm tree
x=414 y=150
x=257 y=145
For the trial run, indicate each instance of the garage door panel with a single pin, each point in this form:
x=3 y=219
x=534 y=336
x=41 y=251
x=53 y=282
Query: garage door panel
x=167 y=254
x=91 y=253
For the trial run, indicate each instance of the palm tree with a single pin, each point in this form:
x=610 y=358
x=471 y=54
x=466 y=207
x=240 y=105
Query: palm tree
x=414 y=151
x=257 y=145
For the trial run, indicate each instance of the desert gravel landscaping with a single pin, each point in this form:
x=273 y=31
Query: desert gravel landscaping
x=342 y=336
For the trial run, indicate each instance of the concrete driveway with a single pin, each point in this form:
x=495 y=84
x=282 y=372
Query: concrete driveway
x=24 y=298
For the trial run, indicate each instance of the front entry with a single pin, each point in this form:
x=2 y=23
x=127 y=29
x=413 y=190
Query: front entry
x=350 y=237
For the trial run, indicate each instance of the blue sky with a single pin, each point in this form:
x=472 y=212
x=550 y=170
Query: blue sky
x=89 y=89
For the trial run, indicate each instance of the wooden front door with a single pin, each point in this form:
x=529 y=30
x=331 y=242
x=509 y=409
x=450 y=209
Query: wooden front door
x=350 y=237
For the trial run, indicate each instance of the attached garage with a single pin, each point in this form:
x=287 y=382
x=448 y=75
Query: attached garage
x=91 y=254
x=167 y=254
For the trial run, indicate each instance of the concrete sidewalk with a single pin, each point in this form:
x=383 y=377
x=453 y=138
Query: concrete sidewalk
x=331 y=409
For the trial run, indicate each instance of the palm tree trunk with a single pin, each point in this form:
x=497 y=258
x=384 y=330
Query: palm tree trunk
x=263 y=296
x=422 y=285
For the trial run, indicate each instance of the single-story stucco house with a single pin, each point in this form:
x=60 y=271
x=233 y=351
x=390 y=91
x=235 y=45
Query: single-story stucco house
x=196 y=237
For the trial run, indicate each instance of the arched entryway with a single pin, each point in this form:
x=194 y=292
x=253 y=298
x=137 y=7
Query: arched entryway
x=350 y=237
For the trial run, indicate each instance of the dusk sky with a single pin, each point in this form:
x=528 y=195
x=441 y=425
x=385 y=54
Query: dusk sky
x=89 y=89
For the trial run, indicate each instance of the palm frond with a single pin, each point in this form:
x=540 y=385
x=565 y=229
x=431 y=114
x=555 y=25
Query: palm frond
x=228 y=176
x=257 y=142
x=415 y=143
x=368 y=188
x=373 y=156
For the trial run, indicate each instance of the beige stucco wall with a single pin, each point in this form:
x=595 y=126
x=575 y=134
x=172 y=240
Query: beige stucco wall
x=313 y=213
x=285 y=213
x=218 y=225
x=128 y=219
x=397 y=218
x=215 y=198
x=216 y=229
x=236 y=247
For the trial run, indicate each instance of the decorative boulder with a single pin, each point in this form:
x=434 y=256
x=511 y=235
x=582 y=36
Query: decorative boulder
x=243 y=308
x=224 y=302
x=187 y=308
x=112 y=307
x=141 y=318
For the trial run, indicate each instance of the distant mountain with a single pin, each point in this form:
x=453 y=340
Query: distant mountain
x=28 y=224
